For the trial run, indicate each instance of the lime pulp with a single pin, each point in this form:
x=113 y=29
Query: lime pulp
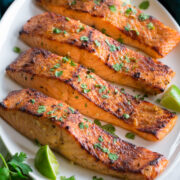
x=171 y=98
x=46 y=162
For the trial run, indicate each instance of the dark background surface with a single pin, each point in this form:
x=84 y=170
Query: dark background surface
x=173 y=6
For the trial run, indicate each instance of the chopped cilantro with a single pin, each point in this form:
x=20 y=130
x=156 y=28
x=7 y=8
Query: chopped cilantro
x=32 y=101
x=103 y=88
x=144 y=5
x=67 y=19
x=143 y=17
x=58 y=73
x=126 y=116
x=120 y=40
x=71 y=109
x=97 y=145
x=127 y=27
x=76 y=97
x=97 y=122
x=97 y=43
x=72 y=63
x=130 y=135
x=60 y=104
x=85 y=104
x=150 y=26
x=65 y=59
x=41 y=109
x=103 y=31
x=97 y=2
x=104 y=96
x=65 y=178
x=73 y=2
x=130 y=11
x=112 y=8
x=84 y=38
x=81 y=28
x=81 y=125
x=100 y=139
x=112 y=156
x=17 y=49
x=118 y=67
x=105 y=150
x=96 y=178
x=57 y=31
x=60 y=119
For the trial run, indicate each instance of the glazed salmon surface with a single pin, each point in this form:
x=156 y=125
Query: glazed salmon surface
x=110 y=59
x=63 y=128
x=121 y=21
x=61 y=78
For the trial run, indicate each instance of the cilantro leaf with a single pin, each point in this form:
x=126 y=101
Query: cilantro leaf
x=4 y=173
x=70 y=178
x=144 y=5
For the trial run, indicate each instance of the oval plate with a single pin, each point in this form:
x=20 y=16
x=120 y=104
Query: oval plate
x=10 y=25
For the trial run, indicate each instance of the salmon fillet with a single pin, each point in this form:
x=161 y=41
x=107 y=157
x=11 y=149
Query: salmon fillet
x=61 y=78
x=121 y=21
x=110 y=60
x=64 y=129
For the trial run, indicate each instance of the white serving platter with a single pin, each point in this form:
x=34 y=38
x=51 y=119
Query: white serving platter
x=10 y=25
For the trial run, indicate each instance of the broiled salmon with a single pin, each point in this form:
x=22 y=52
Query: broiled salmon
x=121 y=21
x=61 y=78
x=65 y=130
x=110 y=59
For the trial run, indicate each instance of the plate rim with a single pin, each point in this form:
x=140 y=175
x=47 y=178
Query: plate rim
x=6 y=21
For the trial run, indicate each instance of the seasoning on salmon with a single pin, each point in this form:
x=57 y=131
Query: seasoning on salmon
x=121 y=21
x=61 y=78
x=65 y=130
x=110 y=59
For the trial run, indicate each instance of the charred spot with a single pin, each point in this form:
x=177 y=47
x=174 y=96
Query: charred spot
x=18 y=103
x=23 y=32
x=23 y=109
x=157 y=50
x=32 y=77
x=90 y=36
x=155 y=161
x=136 y=75
x=41 y=87
x=53 y=126
x=72 y=41
x=3 y=105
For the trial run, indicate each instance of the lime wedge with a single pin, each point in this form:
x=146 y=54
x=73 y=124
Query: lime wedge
x=46 y=163
x=171 y=98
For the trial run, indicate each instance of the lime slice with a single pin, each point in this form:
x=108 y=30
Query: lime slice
x=171 y=98
x=46 y=163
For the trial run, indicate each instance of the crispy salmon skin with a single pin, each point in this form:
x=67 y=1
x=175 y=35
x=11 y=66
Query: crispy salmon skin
x=121 y=21
x=110 y=60
x=61 y=78
x=55 y=123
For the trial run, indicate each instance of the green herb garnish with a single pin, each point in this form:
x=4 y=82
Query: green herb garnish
x=32 y=101
x=144 y=5
x=65 y=178
x=67 y=19
x=112 y=8
x=126 y=116
x=57 y=31
x=143 y=17
x=14 y=167
x=96 y=178
x=118 y=67
x=100 y=139
x=17 y=49
x=84 y=38
x=41 y=109
x=97 y=43
x=81 y=125
x=81 y=28
x=130 y=135
x=112 y=156
x=150 y=26
x=58 y=73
